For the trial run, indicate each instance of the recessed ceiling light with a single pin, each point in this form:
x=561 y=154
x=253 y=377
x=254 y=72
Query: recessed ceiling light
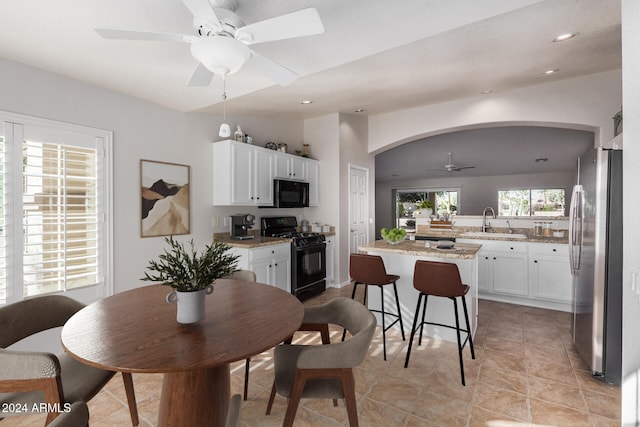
x=484 y=92
x=546 y=73
x=306 y=102
x=394 y=174
x=564 y=37
x=359 y=110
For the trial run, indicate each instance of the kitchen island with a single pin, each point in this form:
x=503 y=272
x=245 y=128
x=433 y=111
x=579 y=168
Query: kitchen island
x=400 y=259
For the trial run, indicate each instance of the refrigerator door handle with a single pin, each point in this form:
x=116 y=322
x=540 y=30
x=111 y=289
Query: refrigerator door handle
x=575 y=229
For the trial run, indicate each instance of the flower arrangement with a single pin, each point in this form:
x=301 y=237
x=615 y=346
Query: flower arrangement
x=187 y=271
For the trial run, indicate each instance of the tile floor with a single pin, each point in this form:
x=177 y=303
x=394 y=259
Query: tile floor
x=526 y=373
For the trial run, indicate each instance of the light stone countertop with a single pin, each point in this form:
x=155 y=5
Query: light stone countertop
x=417 y=248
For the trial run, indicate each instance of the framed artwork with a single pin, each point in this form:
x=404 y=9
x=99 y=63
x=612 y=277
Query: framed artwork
x=165 y=204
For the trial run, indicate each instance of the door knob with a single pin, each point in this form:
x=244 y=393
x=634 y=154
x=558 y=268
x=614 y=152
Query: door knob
x=353 y=230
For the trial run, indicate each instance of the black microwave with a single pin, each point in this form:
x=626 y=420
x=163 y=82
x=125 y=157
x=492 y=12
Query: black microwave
x=290 y=194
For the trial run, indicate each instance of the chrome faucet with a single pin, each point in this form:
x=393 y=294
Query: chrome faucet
x=485 y=226
x=510 y=229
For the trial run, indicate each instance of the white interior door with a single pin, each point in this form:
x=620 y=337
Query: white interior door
x=358 y=207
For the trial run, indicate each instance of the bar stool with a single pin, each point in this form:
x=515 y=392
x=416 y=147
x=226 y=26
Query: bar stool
x=369 y=270
x=440 y=279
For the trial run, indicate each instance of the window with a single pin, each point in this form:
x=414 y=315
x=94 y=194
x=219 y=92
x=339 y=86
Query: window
x=54 y=233
x=531 y=202
x=407 y=205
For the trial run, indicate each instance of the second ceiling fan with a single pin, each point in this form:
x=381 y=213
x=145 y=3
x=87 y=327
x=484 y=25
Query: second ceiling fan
x=451 y=167
x=221 y=45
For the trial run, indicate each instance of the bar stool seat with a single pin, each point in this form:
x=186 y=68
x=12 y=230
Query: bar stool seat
x=369 y=270
x=440 y=279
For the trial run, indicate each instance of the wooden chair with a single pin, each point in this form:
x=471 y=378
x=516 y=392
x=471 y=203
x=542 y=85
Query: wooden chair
x=440 y=279
x=39 y=377
x=324 y=371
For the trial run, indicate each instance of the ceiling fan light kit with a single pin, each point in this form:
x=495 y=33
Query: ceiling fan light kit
x=220 y=55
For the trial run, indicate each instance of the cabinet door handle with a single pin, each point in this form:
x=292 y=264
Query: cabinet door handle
x=257 y=198
x=554 y=249
x=276 y=265
x=511 y=247
x=486 y=257
x=535 y=261
x=494 y=258
x=251 y=197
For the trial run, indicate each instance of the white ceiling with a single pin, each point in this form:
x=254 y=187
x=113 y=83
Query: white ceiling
x=377 y=55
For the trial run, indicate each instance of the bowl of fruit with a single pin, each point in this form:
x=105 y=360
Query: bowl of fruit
x=394 y=235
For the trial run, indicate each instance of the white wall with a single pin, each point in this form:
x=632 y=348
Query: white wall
x=584 y=103
x=141 y=131
x=631 y=183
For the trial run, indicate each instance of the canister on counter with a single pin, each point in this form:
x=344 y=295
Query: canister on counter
x=547 y=231
x=537 y=228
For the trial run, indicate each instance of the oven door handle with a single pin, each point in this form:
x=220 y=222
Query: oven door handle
x=304 y=248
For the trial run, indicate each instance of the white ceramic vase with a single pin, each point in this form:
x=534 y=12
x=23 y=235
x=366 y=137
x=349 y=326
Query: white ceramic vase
x=191 y=305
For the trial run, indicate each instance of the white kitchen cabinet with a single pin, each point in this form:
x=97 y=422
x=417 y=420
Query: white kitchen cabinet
x=549 y=273
x=290 y=167
x=330 y=250
x=313 y=178
x=242 y=174
x=272 y=264
x=502 y=267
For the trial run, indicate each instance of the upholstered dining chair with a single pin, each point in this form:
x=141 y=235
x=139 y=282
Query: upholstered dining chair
x=324 y=371
x=40 y=377
x=77 y=416
x=248 y=276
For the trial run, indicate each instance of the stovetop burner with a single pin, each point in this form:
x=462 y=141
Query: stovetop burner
x=286 y=227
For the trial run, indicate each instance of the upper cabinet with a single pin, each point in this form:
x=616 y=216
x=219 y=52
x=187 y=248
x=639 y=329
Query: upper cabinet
x=290 y=167
x=243 y=174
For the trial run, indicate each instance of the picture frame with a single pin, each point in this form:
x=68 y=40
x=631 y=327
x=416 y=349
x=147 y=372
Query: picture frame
x=165 y=199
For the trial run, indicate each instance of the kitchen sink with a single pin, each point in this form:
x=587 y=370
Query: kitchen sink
x=494 y=235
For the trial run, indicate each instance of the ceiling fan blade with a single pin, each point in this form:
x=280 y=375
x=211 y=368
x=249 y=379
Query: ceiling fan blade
x=143 y=35
x=276 y=72
x=304 y=22
x=201 y=77
x=459 y=168
x=202 y=12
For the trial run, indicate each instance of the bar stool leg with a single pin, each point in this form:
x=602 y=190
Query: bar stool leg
x=466 y=318
x=395 y=291
x=384 y=328
x=413 y=330
x=455 y=309
x=424 y=312
x=247 y=363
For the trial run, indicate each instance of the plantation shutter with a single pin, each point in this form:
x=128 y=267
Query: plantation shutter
x=59 y=237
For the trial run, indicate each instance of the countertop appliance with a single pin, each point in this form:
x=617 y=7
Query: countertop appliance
x=308 y=255
x=595 y=247
x=290 y=194
x=240 y=226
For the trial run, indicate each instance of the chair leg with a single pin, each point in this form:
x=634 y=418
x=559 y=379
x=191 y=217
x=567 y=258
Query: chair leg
x=466 y=318
x=384 y=328
x=455 y=309
x=424 y=313
x=271 y=398
x=127 y=378
x=395 y=291
x=247 y=364
x=294 y=400
x=349 y=391
x=413 y=329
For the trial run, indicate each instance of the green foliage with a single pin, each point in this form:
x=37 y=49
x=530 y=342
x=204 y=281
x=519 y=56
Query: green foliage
x=426 y=204
x=393 y=235
x=187 y=271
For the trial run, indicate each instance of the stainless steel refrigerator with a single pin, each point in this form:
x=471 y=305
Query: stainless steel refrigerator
x=595 y=246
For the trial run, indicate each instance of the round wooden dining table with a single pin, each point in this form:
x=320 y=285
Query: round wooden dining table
x=136 y=331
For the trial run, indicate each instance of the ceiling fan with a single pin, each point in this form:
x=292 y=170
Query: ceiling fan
x=221 y=44
x=450 y=167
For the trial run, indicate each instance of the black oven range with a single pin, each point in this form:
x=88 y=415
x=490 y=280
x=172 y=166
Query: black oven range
x=308 y=255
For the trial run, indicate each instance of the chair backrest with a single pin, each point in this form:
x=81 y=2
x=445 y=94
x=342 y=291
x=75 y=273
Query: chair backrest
x=24 y=318
x=438 y=278
x=247 y=275
x=354 y=317
x=368 y=269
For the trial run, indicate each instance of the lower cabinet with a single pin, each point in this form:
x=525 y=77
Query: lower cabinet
x=330 y=264
x=525 y=273
x=549 y=273
x=272 y=264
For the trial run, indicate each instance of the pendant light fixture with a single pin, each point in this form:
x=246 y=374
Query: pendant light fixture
x=225 y=130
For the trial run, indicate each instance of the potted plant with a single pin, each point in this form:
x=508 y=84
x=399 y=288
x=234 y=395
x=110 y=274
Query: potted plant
x=190 y=274
x=426 y=206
